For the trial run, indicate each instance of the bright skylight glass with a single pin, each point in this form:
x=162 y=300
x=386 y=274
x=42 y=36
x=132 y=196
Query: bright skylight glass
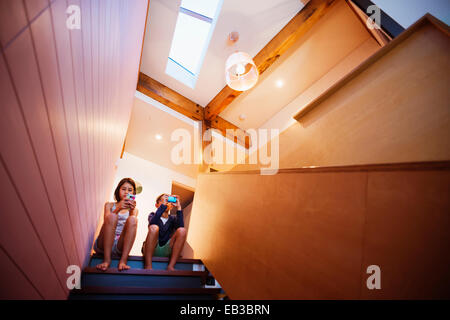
x=193 y=31
x=191 y=35
x=204 y=7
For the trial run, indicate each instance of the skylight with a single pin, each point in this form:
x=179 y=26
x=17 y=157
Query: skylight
x=191 y=36
x=193 y=31
x=206 y=8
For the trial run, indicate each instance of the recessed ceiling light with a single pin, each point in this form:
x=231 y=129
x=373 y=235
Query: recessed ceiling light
x=242 y=117
x=279 y=83
x=158 y=137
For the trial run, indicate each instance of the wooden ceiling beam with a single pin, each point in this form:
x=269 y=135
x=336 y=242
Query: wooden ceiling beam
x=303 y=21
x=172 y=99
x=239 y=135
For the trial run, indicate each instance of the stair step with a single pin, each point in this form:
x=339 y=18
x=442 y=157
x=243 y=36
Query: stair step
x=143 y=278
x=145 y=272
x=158 y=263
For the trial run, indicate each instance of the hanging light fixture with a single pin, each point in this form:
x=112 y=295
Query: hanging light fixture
x=241 y=73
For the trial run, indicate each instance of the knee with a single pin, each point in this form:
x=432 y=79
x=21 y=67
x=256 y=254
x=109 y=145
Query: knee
x=132 y=221
x=153 y=228
x=110 y=219
x=182 y=232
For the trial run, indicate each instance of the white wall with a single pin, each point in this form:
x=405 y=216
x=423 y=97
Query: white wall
x=406 y=12
x=155 y=180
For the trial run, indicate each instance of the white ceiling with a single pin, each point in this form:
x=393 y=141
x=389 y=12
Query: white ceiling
x=149 y=118
x=257 y=22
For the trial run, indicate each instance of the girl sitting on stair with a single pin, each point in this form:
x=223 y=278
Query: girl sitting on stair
x=119 y=227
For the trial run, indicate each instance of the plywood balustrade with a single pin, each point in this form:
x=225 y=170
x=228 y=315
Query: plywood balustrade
x=66 y=97
x=312 y=233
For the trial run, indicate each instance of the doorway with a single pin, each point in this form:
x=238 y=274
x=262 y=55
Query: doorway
x=186 y=194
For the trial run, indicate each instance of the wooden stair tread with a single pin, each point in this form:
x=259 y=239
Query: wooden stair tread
x=138 y=290
x=154 y=272
x=154 y=259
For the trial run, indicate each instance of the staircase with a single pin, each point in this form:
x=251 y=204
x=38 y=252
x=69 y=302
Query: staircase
x=190 y=281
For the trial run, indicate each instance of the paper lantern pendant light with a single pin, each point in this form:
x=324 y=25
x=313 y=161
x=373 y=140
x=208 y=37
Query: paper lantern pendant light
x=241 y=73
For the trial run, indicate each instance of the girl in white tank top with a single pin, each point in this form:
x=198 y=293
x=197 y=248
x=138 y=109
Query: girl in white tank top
x=120 y=220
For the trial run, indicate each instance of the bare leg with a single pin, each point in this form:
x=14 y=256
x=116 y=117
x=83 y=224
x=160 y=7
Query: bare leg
x=150 y=244
x=177 y=243
x=106 y=239
x=126 y=241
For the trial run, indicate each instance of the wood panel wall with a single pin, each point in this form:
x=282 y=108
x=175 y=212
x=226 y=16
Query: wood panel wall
x=66 y=98
x=312 y=233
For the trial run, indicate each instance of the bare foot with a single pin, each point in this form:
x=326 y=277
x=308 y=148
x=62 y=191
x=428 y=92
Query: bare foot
x=123 y=266
x=104 y=265
x=171 y=269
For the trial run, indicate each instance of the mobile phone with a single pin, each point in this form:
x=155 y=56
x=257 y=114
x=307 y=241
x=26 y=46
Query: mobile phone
x=172 y=199
x=131 y=196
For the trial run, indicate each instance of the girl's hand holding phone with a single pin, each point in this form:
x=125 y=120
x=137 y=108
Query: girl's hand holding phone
x=129 y=202
x=121 y=205
x=125 y=203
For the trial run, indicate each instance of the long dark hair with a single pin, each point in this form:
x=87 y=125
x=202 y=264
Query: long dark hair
x=124 y=180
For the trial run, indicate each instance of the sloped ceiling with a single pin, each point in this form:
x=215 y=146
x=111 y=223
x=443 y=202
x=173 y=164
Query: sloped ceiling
x=257 y=22
x=326 y=45
x=147 y=120
x=331 y=40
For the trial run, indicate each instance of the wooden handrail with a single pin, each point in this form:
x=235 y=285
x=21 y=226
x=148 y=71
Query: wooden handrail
x=401 y=166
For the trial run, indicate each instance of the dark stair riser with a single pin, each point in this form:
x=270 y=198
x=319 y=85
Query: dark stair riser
x=135 y=293
x=157 y=265
x=141 y=297
x=153 y=281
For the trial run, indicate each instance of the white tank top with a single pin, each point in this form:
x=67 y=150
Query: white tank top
x=122 y=219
